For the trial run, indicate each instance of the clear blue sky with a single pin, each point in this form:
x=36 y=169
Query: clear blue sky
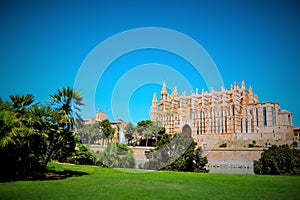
x=44 y=43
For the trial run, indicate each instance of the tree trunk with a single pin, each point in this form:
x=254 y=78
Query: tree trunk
x=49 y=151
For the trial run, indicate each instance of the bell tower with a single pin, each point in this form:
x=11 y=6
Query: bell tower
x=154 y=107
x=163 y=93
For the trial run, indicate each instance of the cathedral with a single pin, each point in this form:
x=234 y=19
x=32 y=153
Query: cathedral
x=234 y=111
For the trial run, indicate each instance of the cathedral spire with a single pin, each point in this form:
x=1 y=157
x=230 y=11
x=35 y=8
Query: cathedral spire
x=153 y=112
x=250 y=90
x=174 y=92
x=243 y=85
x=164 y=88
x=154 y=99
x=163 y=94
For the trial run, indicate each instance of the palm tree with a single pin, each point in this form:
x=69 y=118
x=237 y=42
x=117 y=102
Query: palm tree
x=66 y=103
x=130 y=130
x=21 y=103
x=23 y=134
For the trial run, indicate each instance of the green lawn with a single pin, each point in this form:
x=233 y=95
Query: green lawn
x=103 y=183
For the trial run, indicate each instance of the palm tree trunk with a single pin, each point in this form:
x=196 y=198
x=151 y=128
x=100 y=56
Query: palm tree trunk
x=49 y=151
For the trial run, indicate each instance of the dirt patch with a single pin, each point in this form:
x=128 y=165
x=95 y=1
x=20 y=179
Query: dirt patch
x=54 y=175
x=49 y=175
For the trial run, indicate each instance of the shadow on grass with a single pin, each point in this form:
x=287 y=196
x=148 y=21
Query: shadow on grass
x=56 y=175
x=50 y=174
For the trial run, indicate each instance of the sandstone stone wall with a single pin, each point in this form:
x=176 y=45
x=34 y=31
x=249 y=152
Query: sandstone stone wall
x=227 y=158
x=139 y=154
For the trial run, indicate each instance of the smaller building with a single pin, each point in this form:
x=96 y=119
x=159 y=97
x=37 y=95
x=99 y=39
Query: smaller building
x=297 y=133
x=100 y=116
x=118 y=125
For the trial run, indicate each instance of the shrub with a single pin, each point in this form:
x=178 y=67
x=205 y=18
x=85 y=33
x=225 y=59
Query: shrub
x=253 y=144
x=223 y=145
x=167 y=156
x=295 y=144
x=82 y=156
x=117 y=155
x=280 y=160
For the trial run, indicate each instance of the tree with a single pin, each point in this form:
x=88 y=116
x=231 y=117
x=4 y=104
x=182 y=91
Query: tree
x=190 y=161
x=23 y=135
x=158 y=129
x=177 y=153
x=117 y=155
x=96 y=133
x=142 y=125
x=150 y=130
x=90 y=133
x=106 y=129
x=146 y=128
x=30 y=134
x=82 y=156
x=278 y=160
x=21 y=103
x=130 y=130
x=83 y=132
x=66 y=102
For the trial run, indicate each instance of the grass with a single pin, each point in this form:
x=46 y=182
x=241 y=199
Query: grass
x=104 y=183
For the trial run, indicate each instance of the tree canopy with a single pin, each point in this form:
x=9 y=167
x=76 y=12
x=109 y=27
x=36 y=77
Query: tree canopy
x=107 y=129
x=31 y=134
x=176 y=153
x=117 y=155
x=278 y=160
x=150 y=130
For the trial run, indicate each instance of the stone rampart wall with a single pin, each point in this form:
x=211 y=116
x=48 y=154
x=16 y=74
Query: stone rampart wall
x=232 y=158
x=215 y=157
x=286 y=134
x=139 y=154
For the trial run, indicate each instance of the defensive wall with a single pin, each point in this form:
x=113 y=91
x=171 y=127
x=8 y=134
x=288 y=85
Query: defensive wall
x=232 y=158
x=216 y=157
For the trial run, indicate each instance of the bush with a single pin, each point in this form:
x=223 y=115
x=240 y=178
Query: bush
x=117 y=155
x=224 y=145
x=295 y=144
x=82 y=156
x=181 y=155
x=253 y=144
x=280 y=160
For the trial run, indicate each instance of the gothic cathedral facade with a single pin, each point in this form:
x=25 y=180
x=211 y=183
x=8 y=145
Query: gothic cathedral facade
x=228 y=111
